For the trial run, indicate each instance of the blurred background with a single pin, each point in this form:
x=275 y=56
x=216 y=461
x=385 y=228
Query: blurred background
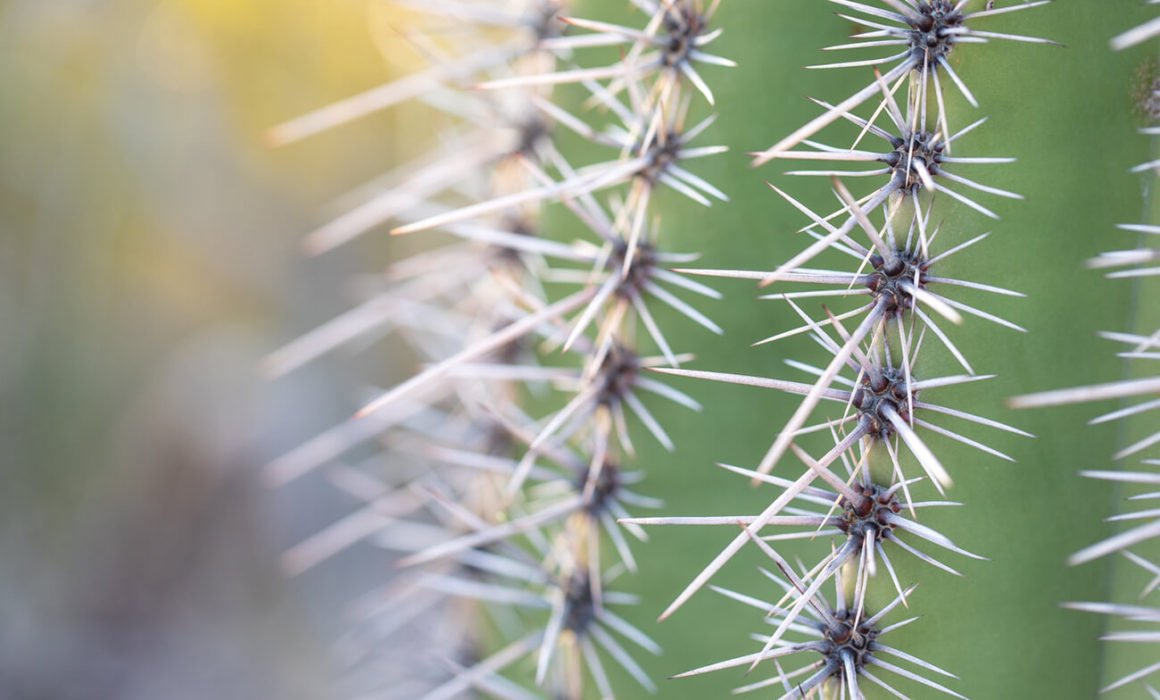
x=150 y=253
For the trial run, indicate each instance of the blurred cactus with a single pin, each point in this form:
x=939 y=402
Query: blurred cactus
x=492 y=308
x=1133 y=264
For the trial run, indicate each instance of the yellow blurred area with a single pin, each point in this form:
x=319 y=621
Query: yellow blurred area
x=149 y=256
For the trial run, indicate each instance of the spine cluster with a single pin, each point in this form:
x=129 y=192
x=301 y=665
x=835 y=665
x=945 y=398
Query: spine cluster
x=502 y=512
x=868 y=409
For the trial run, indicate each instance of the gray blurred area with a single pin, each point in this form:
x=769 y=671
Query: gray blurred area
x=148 y=259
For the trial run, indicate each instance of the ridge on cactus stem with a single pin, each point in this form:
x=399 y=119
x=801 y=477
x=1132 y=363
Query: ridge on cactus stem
x=599 y=395
x=915 y=160
x=847 y=637
x=1138 y=347
x=1136 y=535
x=895 y=286
x=499 y=474
x=927 y=33
x=881 y=402
x=865 y=514
x=1137 y=614
x=409 y=192
x=594 y=489
x=619 y=283
x=869 y=514
x=862 y=512
x=876 y=366
x=838 y=237
x=432 y=374
x=580 y=622
x=530 y=25
x=654 y=143
x=622 y=290
x=1127 y=388
x=616 y=278
x=671 y=43
x=883 y=305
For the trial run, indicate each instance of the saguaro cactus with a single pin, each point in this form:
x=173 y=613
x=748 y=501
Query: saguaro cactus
x=523 y=497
